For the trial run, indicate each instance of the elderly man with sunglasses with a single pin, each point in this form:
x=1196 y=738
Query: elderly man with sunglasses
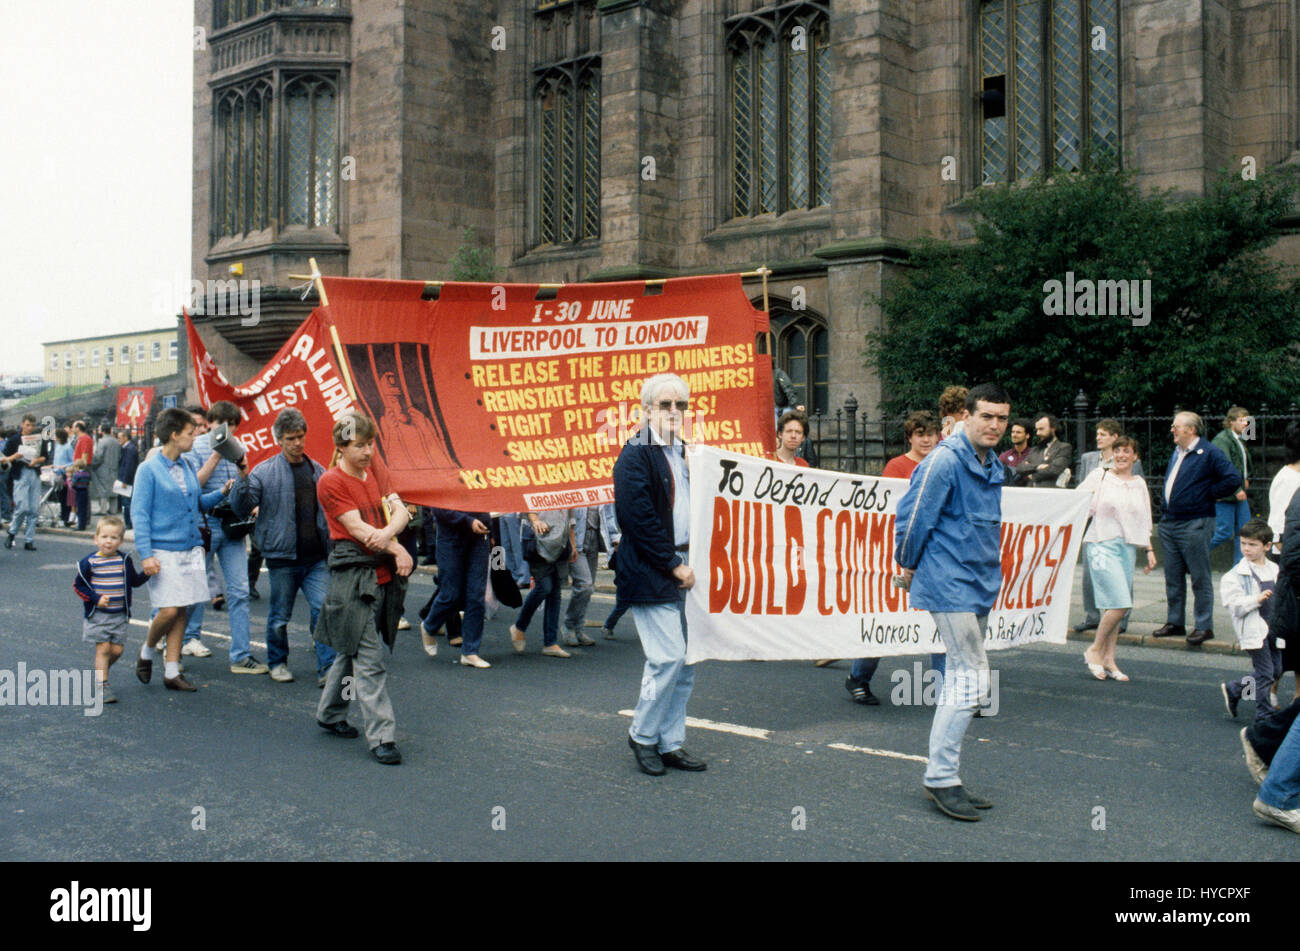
x=652 y=502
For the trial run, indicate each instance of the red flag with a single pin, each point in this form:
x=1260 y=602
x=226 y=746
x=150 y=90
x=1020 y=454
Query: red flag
x=489 y=398
x=303 y=375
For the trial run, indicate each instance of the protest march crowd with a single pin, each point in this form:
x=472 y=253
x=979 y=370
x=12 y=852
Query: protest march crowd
x=343 y=538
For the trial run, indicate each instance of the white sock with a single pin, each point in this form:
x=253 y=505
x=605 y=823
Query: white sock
x=172 y=669
x=146 y=652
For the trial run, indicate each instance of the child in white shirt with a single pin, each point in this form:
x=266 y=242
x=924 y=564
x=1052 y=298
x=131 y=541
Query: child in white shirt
x=1247 y=592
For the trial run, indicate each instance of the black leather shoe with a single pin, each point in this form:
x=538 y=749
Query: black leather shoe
x=1085 y=625
x=179 y=683
x=1170 y=630
x=952 y=801
x=143 y=670
x=979 y=802
x=339 y=729
x=386 y=753
x=861 y=692
x=253 y=595
x=29 y=546
x=647 y=757
x=9 y=540
x=680 y=759
x=1199 y=637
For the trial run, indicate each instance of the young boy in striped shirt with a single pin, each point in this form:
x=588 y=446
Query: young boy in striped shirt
x=104 y=582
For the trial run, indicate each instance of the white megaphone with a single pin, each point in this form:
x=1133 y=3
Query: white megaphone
x=225 y=445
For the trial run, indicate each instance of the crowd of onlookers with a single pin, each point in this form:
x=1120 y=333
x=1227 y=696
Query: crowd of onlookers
x=79 y=467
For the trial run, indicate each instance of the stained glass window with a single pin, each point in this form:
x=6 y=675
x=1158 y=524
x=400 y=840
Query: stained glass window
x=242 y=175
x=311 y=166
x=779 y=74
x=1050 y=84
x=568 y=159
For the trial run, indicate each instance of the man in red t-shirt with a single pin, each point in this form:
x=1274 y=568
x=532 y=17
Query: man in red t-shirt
x=365 y=599
x=921 y=430
x=82 y=455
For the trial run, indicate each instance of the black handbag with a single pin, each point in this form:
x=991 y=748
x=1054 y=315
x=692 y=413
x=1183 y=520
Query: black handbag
x=205 y=533
x=232 y=526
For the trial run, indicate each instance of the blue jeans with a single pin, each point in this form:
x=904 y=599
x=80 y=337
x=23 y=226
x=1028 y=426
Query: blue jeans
x=513 y=548
x=1186 y=544
x=27 y=499
x=234 y=568
x=462 y=579
x=1229 y=517
x=314 y=580
x=549 y=589
x=963 y=684
x=666 y=681
x=1281 y=789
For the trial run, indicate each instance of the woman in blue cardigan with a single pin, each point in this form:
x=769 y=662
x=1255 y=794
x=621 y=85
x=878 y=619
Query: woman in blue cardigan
x=165 y=507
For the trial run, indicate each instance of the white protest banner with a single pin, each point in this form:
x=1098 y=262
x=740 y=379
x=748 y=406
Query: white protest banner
x=798 y=564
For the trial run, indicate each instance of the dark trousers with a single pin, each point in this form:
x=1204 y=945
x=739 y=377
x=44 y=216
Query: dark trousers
x=1186 y=545
x=462 y=579
x=254 y=564
x=83 y=507
x=1267 y=733
x=1267 y=663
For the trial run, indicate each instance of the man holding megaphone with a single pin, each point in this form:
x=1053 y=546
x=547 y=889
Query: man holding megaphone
x=219 y=458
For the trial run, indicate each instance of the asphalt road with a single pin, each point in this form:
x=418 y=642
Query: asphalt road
x=529 y=760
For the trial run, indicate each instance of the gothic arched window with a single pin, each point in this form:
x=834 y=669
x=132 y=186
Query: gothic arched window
x=568 y=152
x=311 y=152
x=779 y=70
x=242 y=172
x=802 y=349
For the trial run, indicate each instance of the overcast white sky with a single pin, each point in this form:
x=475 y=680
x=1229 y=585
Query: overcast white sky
x=94 y=169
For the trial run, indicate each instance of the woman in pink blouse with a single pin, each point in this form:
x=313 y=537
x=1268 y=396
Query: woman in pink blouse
x=1121 y=524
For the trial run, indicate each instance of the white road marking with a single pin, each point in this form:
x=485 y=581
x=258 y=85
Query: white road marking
x=735 y=728
x=891 y=754
x=224 y=637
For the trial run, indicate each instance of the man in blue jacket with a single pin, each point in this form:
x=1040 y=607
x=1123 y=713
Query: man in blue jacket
x=947 y=532
x=292 y=534
x=652 y=499
x=1198 y=473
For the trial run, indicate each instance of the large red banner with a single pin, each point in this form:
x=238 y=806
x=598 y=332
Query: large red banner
x=490 y=398
x=304 y=375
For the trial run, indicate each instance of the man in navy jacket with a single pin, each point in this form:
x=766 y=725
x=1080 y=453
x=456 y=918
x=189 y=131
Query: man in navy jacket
x=1198 y=473
x=652 y=503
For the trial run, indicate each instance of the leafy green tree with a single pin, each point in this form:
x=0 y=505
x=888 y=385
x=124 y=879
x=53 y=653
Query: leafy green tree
x=471 y=262
x=1224 y=321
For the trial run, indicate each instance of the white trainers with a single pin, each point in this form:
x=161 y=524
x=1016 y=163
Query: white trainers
x=280 y=674
x=195 y=648
x=1286 y=818
x=249 y=665
x=1258 y=769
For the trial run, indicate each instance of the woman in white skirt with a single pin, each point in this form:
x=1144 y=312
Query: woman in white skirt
x=165 y=507
x=1121 y=524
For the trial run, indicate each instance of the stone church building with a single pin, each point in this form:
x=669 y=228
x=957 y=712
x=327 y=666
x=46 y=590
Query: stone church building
x=615 y=139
